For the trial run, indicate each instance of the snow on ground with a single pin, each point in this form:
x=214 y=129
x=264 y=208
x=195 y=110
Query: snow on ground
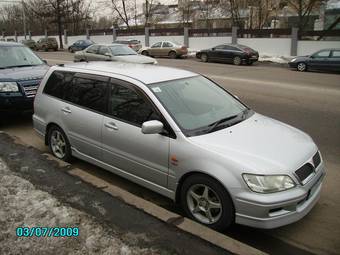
x=21 y=204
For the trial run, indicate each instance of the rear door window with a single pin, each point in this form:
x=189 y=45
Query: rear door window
x=93 y=49
x=336 y=54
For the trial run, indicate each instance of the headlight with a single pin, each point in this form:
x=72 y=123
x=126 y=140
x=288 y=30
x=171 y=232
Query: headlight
x=8 y=87
x=293 y=60
x=155 y=63
x=268 y=183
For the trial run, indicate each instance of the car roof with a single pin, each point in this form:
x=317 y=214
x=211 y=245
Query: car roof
x=9 y=44
x=141 y=72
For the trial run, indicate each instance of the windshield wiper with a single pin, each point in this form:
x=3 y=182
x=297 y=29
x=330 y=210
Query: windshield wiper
x=214 y=125
x=242 y=116
x=18 y=66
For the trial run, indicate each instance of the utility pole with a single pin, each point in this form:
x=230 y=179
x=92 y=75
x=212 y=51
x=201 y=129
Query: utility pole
x=24 y=17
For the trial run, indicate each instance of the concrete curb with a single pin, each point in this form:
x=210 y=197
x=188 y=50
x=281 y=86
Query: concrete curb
x=162 y=214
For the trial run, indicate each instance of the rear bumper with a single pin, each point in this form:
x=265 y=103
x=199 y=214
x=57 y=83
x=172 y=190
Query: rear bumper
x=16 y=104
x=276 y=210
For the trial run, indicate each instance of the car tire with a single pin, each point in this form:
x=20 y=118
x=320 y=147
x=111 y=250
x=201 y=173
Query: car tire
x=172 y=54
x=145 y=53
x=59 y=144
x=204 y=57
x=211 y=196
x=237 y=61
x=301 y=67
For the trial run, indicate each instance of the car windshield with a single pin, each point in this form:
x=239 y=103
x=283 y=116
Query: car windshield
x=18 y=56
x=122 y=50
x=198 y=105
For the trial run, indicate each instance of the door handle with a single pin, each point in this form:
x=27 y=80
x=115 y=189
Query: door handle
x=111 y=125
x=66 y=110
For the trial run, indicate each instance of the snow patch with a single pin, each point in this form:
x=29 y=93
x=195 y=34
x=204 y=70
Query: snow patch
x=24 y=205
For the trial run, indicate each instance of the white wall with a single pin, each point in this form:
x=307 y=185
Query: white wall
x=200 y=43
x=268 y=46
x=265 y=46
x=176 y=39
x=309 y=47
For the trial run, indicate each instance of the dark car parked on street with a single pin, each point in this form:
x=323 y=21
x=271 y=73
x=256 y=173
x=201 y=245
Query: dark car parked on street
x=80 y=45
x=327 y=59
x=20 y=74
x=236 y=54
x=47 y=44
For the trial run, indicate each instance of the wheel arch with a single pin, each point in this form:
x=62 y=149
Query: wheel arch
x=197 y=172
x=48 y=127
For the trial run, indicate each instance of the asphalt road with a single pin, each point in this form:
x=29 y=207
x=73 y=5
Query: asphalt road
x=309 y=101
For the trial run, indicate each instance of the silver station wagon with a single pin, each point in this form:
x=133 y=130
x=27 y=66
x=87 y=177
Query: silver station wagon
x=183 y=136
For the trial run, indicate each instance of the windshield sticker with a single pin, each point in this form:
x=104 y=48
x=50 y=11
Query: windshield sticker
x=156 y=89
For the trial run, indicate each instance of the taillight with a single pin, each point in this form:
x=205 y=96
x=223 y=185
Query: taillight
x=130 y=45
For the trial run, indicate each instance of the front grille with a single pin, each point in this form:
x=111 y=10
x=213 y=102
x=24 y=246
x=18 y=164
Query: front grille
x=316 y=159
x=304 y=171
x=30 y=87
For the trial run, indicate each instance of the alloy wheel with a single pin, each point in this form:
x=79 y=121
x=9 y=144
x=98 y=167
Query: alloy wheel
x=204 y=204
x=301 y=67
x=58 y=144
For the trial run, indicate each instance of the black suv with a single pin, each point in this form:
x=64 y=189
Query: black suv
x=20 y=74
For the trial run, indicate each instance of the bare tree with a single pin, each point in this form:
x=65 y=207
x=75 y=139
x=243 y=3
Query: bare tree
x=124 y=9
x=303 y=9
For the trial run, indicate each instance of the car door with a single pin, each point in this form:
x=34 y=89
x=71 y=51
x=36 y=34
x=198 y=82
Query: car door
x=124 y=145
x=104 y=54
x=320 y=60
x=335 y=60
x=84 y=103
x=91 y=53
x=166 y=48
x=155 y=49
x=215 y=52
x=77 y=45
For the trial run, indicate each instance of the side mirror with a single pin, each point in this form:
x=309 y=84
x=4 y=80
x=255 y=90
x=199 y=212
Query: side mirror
x=213 y=48
x=311 y=56
x=108 y=54
x=45 y=61
x=152 y=127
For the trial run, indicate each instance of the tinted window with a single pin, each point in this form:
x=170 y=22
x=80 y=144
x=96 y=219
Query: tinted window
x=89 y=91
x=220 y=47
x=57 y=83
x=122 y=50
x=167 y=45
x=157 y=45
x=128 y=105
x=322 y=54
x=93 y=49
x=336 y=54
x=230 y=48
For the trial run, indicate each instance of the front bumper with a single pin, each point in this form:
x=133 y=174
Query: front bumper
x=278 y=209
x=292 y=64
x=15 y=103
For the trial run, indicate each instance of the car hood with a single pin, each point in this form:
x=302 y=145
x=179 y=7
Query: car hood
x=23 y=73
x=139 y=59
x=260 y=145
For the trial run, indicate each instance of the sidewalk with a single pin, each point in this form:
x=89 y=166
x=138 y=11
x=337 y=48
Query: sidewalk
x=37 y=192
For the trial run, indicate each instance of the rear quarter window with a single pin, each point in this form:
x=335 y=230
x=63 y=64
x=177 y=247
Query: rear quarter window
x=57 y=84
